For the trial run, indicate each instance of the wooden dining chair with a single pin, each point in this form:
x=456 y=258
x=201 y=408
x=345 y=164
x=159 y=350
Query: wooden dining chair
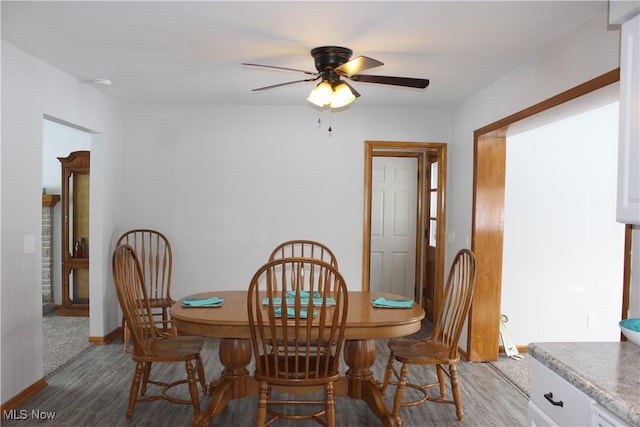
x=441 y=347
x=150 y=343
x=156 y=260
x=302 y=364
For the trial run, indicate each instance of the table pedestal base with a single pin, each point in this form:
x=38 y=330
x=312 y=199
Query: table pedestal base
x=360 y=355
x=235 y=381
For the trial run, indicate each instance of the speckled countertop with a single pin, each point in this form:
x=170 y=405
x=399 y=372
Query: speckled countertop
x=608 y=372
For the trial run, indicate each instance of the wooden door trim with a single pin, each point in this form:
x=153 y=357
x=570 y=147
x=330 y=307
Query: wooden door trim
x=487 y=231
x=394 y=149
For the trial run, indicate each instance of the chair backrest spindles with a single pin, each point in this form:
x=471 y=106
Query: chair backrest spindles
x=156 y=260
x=304 y=249
x=458 y=294
x=309 y=345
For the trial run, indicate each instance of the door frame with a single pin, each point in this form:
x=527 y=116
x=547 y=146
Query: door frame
x=419 y=150
x=487 y=233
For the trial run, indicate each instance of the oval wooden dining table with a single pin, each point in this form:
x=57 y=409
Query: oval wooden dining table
x=230 y=322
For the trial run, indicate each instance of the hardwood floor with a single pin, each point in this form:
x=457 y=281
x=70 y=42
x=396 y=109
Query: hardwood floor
x=93 y=390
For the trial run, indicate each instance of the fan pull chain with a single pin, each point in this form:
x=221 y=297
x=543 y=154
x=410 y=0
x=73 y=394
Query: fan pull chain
x=330 y=128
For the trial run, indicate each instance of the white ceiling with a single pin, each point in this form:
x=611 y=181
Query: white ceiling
x=191 y=52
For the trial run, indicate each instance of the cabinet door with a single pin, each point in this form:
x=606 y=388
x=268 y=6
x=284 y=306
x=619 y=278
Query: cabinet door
x=628 y=209
x=558 y=399
x=75 y=234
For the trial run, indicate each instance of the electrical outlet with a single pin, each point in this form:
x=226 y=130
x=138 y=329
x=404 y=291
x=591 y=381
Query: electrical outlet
x=592 y=320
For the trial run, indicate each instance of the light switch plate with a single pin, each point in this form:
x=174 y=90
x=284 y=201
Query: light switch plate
x=29 y=244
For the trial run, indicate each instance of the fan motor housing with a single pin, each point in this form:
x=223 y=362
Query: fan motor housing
x=329 y=57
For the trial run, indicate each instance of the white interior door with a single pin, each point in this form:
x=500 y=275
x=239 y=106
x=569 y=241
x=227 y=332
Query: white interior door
x=393 y=225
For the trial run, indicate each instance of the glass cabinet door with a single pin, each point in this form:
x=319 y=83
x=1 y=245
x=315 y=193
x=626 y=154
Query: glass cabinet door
x=75 y=234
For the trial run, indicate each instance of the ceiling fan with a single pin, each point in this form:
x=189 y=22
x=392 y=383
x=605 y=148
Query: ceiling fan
x=333 y=64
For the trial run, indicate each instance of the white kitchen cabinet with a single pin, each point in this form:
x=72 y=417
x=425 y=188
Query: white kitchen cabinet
x=555 y=402
x=628 y=205
x=559 y=401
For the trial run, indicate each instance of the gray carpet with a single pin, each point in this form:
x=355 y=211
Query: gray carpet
x=63 y=339
x=517 y=372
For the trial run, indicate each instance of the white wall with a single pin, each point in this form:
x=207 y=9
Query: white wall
x=589 y=52
x=228 y=184
x=563 y=249
x=30 y=90
x=58 y=140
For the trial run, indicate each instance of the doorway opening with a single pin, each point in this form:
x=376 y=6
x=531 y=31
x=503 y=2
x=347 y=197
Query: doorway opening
x=64 y=337
x=490 y=144
x=421 y=262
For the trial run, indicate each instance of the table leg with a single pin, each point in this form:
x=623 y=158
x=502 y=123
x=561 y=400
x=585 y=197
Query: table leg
x=360 y=355
x=234 y=382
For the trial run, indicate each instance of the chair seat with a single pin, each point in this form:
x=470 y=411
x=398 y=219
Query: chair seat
x=419 y=352
x=173 y=348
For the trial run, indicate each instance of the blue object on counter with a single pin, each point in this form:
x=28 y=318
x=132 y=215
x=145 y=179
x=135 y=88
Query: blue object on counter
x=632 y=324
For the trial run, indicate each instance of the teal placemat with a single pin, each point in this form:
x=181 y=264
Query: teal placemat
x=383 y=302
x=303 y=294
x=303 y=301
x=291 y=312
x=202 y=302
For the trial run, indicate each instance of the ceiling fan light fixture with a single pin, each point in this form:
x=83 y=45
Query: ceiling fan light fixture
x=342 y=95
x=336 y=96
x=321 y=94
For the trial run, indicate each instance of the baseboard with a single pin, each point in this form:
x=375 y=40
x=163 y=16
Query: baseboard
x=107 y=338
x=520 y=348
x=22 y=396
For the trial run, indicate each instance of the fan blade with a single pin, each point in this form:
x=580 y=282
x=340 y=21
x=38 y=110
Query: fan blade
x=353 y=91
x=284 y=84
x=357 y=64
x=280 y=68
x=396 y=81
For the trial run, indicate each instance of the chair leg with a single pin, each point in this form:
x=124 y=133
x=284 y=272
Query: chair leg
x=261 y=414
x=442 y=380
x=330 y=405
x=146 y=372
x=201 y=376
x=387 y=374
x=165 y=320
x=455 y=390
x=125 y=335
x=135 y=387
x=193 y=388
x=397 y=400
